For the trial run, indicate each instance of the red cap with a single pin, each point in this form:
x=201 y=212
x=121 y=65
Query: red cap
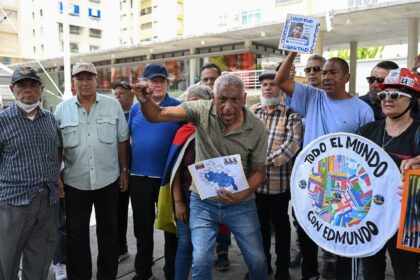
x=402 y=77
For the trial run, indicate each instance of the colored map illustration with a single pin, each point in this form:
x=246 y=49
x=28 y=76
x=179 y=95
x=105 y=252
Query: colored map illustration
x=340 y=191
x=222 y=179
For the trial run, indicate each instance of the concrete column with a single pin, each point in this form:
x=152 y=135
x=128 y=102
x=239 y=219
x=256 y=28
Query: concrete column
x=413 y=39
x=353 y=66
x=319 y=45
x=193 y=63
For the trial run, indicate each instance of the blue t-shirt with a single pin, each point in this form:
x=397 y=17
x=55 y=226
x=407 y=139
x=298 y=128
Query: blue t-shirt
x=324 y=115
x=150 y=142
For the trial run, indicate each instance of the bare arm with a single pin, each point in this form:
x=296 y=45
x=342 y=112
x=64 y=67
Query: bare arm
x=254 y=181
x=181 y=212
x=123 y=154
x=152 y=111
x=282 y=78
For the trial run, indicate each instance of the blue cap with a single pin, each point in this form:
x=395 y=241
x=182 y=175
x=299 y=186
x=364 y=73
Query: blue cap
x=154 y=70
x=23 y=73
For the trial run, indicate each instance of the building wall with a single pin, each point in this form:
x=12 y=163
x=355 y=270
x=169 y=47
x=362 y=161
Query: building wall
x=9 y=46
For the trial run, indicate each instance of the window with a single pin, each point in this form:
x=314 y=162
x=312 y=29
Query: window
x=42 y=48
x=95 y=33
x=146 y=11
x=33 y=32
x=95 y=1
x=75 y=11
x=282 y=1
x=34 y=49
x=94 y=14
x=33 y=15
x=251 y=17
x=40 y=12
x=74 y=48
x=74 y=29
x=92 y=48
x=146 y=26
x=60 y=27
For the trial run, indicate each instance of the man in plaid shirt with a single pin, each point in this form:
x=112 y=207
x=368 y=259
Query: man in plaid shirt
x=272 y=198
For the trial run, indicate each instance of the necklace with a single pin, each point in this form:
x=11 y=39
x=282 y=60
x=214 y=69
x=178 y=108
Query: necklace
x=383 y=139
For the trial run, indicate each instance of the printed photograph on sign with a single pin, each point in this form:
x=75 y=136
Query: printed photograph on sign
x=344 y=193
x=409 y=229
x=217 y=173
x=299 y=34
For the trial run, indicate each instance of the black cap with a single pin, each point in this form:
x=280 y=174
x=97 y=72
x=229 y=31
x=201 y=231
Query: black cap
x=267 y=75
x=155 y=70
x=123 y=84
x=23 y=73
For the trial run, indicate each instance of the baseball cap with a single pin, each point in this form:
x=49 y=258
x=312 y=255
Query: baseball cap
x=23 y=73
x=401 y=77
x=83 y=67
x=267 y=75
x=123 y=84
x=155 y=70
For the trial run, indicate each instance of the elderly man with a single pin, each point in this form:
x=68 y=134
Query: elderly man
x=28 y=181
x=272 y=197
x=122 y=92
x=377 y=77
x=94 y=137
x=317 y=106
x=224 y=127
x=150 y=147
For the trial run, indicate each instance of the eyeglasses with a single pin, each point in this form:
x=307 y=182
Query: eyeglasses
x=394 y=95
x=372 y=79
x=309 y=69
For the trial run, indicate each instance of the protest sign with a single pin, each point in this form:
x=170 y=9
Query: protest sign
x=216 y=173
x=344 y=193
x=299 y=34
x=409 y=230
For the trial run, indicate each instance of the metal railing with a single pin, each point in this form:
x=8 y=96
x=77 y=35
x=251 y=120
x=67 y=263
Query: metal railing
x=250 y=78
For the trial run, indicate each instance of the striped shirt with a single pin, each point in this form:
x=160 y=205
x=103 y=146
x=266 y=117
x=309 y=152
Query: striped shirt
x=28 y=156
x=284 y=129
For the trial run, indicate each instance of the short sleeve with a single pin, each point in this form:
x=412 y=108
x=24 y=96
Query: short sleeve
x=302 y=96
x=122 y=128
x=194 y=110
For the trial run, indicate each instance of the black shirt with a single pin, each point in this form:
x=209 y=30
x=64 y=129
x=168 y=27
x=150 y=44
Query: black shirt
x=404 y=146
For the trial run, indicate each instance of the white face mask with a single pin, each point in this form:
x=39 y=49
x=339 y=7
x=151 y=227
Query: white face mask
x=27 y=107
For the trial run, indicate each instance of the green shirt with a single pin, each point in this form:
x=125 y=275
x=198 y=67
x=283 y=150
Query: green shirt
x=90 y=141
x=249 y=140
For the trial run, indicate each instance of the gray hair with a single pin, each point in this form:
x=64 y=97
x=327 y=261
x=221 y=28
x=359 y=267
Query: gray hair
x=200 y=90
x=318 y=57
x=226 y=80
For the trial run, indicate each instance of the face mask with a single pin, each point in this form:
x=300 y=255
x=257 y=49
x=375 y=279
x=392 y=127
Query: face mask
x=27 y=107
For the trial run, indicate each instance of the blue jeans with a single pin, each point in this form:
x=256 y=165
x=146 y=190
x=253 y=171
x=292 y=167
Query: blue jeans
x=206 y=216
x=184 y=251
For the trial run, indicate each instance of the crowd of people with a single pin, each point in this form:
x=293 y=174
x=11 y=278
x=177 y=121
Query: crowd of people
x=98 y=151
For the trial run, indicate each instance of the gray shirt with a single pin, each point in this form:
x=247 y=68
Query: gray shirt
x=90 y=141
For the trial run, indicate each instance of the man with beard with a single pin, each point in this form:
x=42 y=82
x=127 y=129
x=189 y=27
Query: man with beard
x=377 y=77
x=272 y=197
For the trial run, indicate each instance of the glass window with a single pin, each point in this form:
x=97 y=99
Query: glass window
x=251 y=17
x=74 y=47
x=74 y=29
x=95 y=33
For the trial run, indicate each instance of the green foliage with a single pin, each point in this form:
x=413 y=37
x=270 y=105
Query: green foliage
x=362 y=53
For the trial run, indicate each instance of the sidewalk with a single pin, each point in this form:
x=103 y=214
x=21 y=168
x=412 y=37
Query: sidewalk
x=236 y=272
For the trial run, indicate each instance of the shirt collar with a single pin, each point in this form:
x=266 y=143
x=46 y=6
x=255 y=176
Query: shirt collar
x=76 y=99
x=280 y=107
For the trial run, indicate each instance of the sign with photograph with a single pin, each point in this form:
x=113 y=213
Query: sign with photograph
x=299 y=34
x=409 y=230
x=344 y=193
x=216 y=173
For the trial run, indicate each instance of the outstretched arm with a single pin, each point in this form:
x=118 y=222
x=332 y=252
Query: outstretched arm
x=282 y=77
x=152 y=111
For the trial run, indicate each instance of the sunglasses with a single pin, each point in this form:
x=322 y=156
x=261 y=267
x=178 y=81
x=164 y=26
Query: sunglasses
x=309 y=69
x=394 y=95
x=372 y=79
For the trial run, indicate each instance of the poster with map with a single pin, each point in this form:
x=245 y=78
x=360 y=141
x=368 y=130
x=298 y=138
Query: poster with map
x=344 y=192
x=299 y=34
x=216 y=173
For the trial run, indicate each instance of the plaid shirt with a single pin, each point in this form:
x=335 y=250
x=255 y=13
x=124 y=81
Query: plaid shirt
x=284 y=139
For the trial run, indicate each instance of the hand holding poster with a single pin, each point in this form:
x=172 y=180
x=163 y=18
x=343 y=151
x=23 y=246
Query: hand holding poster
x=299 y=34
x=344 y=192
x=409 y=230
x=216 y=173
